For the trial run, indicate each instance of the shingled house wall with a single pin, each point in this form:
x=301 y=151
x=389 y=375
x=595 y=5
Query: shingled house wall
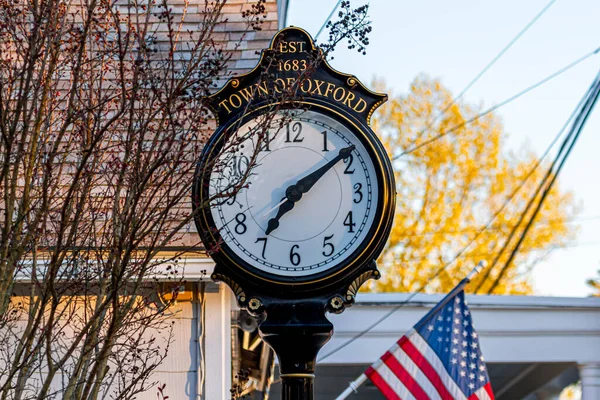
x=243 y=47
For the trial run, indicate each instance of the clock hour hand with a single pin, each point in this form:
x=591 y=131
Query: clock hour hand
x=294 y=192
x=273 y=223
x=306 y=183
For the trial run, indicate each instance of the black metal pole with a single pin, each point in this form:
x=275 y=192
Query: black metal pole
x=296 y=331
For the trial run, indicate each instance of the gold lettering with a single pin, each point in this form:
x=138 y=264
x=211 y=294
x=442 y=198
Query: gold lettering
x=349 y=99
x=224 y=104
x=236 y=97
x=329 y=88
x=318 y=85
x=263 y=88
x=283 y=47
x=248 y=93
x=291 y=47
x=279 y=80
x=339 y=89
x=362 y=103
x=290 y=82
x=306 y=90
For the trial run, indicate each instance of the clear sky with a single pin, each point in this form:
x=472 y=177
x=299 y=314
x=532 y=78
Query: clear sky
x=453 y=41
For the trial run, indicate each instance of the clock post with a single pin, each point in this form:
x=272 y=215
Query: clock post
x=302 y=231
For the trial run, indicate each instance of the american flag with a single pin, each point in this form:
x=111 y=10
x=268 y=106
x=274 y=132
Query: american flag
x=440 y=358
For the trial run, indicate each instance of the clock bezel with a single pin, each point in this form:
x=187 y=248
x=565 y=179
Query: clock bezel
x=370 y=247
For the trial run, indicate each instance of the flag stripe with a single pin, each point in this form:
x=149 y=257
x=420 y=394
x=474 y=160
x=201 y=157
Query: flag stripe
x=488 y=389
x=423 y=348
x=408 y=381
x=427 y=369
x=439 y=359
x=414 y=370
x=381 y=384
x=386 y=373
x=482 y=394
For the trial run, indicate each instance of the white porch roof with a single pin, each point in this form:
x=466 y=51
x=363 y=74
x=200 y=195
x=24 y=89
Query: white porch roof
x=511 y=328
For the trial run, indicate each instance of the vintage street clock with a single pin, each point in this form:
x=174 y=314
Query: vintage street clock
x=294 y=195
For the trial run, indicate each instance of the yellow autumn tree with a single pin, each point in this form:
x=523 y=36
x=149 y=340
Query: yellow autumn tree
x=449 y=189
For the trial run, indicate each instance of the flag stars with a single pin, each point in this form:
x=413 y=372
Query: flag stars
x=474 y=345
x=440 y=318
x=455 y=341
x=464 y=343
x=457 y=320
x=440 y=329
x=440 y=339
x=462 y=373
x=463 y=364
x=471 y=376
x=482 y=378
x=474 y=335
x=472 y=365
x=482 y=368
x=471 y=386
x=465 y=322
x=430 y=328
x=463 y=353
x=454 y=361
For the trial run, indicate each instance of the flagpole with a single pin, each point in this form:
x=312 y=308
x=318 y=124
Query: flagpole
x=353 y=386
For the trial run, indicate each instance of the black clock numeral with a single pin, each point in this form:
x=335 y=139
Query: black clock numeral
x=264 y=240
x=239 y=166
x=348 y=222
x=296 y=127
x=349 y=162
x=324 y=133
x=328 y=245
x=266 y=142
x=294 y=257
x=240 y=227
x=231 y=200
x=357 y=190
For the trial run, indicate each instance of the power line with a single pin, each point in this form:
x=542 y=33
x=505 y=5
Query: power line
x=498 y=227
x=501 y=104
x=435 y=275
x=570 y=140
x=328 y=19
x=465 y=248
x=498 y=56
x=575 y=114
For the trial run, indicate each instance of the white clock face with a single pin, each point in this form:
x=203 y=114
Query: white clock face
x=307 y=204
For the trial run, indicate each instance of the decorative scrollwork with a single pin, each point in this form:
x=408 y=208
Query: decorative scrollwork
x=235 y=83
x=237 y=289
x=357 y=283
x=351 y=81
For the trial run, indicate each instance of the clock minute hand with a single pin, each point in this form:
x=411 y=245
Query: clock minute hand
x=294 y=192
x=306 y=183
